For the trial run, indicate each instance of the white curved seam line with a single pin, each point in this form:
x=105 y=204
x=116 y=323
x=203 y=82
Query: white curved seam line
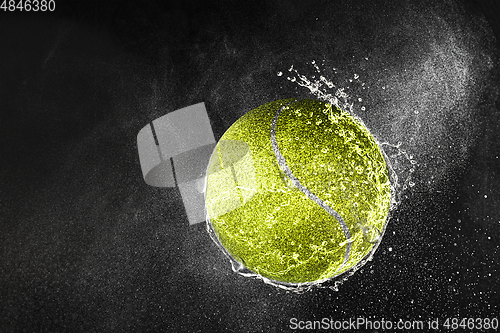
x=284 y=167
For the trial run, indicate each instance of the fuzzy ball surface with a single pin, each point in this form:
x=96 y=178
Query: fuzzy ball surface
x=297 y=191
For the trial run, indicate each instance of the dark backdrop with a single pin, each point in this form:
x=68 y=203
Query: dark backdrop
x=86 y=245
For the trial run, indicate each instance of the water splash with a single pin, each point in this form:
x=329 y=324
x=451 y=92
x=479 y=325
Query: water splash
x=401 y=165
x=398 y=161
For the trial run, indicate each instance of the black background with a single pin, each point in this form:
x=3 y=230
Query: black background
x=85 y=245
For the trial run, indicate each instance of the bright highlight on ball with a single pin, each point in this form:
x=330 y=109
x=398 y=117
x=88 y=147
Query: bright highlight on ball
x=297 y=191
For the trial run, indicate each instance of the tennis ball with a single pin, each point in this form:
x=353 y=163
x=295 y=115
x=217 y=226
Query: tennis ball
x=297 y=191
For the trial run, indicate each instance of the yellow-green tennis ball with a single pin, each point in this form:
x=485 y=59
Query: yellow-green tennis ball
x=297 y=191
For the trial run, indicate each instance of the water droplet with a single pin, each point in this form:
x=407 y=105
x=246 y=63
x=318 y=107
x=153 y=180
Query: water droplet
x=371 y=234
x=360 y=100
x=363 y=108
x=324 y=150
x=280 y=73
